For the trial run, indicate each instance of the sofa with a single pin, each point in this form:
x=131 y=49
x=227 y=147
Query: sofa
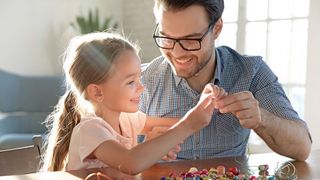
x=25 y=102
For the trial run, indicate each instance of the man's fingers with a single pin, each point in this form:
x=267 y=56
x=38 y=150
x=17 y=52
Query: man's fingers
x=172 y=155
x=177 y=148
x=236 y=97
x=242 y=105
x=156 y=131
x=165 y=158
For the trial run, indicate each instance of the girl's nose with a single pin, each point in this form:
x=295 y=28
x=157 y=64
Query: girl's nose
x=140 y=88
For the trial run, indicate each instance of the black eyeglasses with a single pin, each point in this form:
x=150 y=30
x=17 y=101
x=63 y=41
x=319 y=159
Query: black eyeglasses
x=188 y=44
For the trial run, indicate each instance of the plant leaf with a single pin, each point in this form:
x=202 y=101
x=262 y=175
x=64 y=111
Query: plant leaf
x=82 y=25
x=96 y=21
x=91 y=23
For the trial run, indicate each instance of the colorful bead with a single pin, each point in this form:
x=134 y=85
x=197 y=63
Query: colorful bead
x=263 y=167
x=193 y=169
x=221 y=170
x=253 y=178
x=213 y=170
x=234 y=170
x=271 y=178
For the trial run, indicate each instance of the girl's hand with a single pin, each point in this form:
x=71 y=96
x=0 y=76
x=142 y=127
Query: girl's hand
x=200 y=115
x=215 y=91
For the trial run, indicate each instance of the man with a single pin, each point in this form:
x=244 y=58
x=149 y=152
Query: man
x=185 y=33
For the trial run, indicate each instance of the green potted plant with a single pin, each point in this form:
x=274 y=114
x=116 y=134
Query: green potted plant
x=91 y=23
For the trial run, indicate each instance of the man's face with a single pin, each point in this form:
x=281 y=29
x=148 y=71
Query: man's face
x=191 y=22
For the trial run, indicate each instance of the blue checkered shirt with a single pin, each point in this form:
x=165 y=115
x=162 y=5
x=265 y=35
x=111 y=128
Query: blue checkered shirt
x=167 y=95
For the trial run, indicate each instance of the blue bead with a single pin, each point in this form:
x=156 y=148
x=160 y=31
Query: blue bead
x=271 y=178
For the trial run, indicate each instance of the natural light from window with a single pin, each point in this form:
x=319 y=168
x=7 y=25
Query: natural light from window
x=277 y=30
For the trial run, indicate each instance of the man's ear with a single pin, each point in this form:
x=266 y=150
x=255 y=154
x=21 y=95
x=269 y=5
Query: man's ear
x=217 y=28
x=94 y=92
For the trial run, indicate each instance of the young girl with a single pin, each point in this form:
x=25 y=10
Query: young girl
x=96 y=122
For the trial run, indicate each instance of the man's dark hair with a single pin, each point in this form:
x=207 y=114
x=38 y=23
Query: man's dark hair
x=214 y=8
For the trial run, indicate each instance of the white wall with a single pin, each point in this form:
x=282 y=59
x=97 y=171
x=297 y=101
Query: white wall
x=34 y=33
x=139 y=24
x=313 y=75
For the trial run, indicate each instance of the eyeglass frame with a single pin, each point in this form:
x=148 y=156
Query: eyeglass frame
x=154 y=36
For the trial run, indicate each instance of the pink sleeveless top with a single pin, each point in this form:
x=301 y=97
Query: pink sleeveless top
x=92 y=131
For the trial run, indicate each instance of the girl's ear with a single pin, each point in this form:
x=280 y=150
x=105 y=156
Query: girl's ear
x=94 y=92
x=217 y=28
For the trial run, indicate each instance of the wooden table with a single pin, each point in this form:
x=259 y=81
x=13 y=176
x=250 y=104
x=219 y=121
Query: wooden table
x=308 y=170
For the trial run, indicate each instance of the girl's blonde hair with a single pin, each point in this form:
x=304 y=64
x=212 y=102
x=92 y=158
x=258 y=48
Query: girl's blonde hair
x=88 y=59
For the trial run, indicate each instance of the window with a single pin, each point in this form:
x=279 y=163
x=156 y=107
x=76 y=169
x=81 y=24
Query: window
x=277 y=30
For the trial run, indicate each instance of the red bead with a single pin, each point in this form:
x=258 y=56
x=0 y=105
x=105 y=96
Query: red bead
x=253 y=178
x=204 y=172
x=234 y=171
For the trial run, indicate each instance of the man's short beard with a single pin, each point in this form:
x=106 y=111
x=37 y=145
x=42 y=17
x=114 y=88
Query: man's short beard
x=201 y=67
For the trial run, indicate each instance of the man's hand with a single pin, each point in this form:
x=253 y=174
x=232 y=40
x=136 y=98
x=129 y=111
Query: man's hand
x=158 y=130
x=244 y=106
x=172 y=154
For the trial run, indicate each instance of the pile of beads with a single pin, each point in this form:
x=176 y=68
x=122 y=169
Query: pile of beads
x=219 y=173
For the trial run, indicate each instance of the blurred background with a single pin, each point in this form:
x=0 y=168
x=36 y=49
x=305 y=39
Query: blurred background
x=35 y=33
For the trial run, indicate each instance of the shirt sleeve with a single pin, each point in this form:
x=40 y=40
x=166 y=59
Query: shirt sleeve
x=134 y=122
x=270 y=94
x=144 y=96
x=90 y=135
x=140 y=121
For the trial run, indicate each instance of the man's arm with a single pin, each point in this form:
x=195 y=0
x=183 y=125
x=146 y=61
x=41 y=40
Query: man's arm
x=286 y=137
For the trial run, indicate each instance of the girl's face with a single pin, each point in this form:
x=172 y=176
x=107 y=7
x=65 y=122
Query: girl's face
x=122 y=89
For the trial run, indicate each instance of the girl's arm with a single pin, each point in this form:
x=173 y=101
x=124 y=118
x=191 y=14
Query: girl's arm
x=156 y=126
x=146 y=154
x=142 y=156
x=153 y=122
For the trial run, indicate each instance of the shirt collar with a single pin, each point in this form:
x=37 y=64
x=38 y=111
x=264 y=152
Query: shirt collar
x=217 y=74
x=219 y=67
